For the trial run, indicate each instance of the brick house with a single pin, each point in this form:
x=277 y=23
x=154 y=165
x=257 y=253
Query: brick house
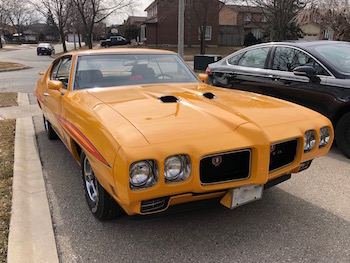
x=250 y=18
x=161 y=25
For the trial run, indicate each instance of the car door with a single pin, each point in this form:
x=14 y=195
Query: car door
x=286 y=85
x=244 y=70
x=53 y=98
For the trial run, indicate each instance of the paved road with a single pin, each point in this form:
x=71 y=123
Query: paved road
x=306 y=219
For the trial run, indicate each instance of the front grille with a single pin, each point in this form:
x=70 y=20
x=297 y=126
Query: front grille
x=154 y=205
x=225 y=167
x=282 y=154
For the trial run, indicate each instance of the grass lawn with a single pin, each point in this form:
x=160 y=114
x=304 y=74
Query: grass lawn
x=6 y=65
x=7 y=141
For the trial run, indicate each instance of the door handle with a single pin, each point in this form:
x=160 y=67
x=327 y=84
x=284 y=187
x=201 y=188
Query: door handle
x=275 y=78
x=46 y=94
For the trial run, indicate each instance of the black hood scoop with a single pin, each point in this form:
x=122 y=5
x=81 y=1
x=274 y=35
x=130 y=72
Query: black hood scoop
x=168 y=99
x=209 y=95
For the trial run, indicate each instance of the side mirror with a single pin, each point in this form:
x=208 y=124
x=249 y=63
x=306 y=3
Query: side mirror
x=55 y=84
x=307 y=71
x=203 y=77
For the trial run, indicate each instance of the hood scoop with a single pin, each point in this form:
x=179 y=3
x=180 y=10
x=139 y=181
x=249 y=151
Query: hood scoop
x=209 y=95
x=168 y=99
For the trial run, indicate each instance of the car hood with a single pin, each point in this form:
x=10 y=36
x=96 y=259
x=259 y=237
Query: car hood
x=169 y=112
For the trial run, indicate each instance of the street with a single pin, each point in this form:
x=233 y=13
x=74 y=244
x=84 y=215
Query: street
x=306 y=219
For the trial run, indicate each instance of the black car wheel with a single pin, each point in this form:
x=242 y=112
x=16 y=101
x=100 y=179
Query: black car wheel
x=100 y=203
x=50 y=132
x=342 y=134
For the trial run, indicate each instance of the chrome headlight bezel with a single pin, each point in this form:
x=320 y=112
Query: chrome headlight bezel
x=325 y=136
x=143 y=174
x=309 y=140
x=177 y=168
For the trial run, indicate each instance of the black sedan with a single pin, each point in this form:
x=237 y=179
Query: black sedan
x=315 y=74
x=45 y=49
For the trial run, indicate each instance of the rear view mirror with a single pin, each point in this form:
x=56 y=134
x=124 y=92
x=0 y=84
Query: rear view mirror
x=55 y=84
x=307 y=71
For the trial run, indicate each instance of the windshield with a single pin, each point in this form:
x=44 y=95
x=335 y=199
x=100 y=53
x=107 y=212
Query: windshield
x=338 y=55
x=110 y=70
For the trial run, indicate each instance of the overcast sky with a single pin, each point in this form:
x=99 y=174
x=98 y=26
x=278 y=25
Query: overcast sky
x=139 y=11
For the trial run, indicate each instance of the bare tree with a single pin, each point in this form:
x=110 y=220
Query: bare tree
x=60 y=10
x=19 y=13
x=333 y=14
x=94 y=11
x=281 y=16
x=3 y=19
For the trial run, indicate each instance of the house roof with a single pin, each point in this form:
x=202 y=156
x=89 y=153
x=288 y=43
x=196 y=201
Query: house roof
x=246 y=9
x=137 y=19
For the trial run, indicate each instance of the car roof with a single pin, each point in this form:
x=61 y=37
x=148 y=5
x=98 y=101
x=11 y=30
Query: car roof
x=120 y=51
x=304 y=44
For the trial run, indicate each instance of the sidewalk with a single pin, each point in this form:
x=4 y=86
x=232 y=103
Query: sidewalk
x=31 y=237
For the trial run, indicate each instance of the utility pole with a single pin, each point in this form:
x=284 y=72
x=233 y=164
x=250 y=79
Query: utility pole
x=180 y=38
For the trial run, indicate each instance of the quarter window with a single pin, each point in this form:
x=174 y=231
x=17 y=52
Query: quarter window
x=61 y=71
x=254 y=58
x=287 y=59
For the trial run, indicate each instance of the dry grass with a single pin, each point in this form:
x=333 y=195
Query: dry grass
x=8 y=99
x=7 y=65
x=7 y=141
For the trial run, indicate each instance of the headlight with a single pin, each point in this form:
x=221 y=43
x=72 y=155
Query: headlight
x=324 y=136
x=309 y=140
x=143 y=174
x=177 y=168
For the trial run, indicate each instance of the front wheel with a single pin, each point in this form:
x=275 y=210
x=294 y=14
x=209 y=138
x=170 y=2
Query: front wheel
x=342 y=134
x=100 y=203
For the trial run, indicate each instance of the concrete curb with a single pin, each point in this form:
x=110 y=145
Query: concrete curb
x=31 y=237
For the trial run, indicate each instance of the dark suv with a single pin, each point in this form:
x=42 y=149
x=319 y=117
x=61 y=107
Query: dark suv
x=114 y=41
x=315 y=74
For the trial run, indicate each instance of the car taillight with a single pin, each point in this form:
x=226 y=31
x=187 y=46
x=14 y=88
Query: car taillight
x=207 y=71
x=38 y=48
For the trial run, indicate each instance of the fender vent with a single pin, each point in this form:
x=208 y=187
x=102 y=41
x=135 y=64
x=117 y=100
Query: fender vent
x=168 y=99
x=209 y=95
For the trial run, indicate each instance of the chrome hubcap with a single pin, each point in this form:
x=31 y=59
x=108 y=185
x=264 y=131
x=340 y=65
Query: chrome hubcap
x=90 y=181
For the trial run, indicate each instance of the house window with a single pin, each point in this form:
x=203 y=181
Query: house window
x=152 y=11
x=143 y=33
x=263 y=18
x=247 y=17
x=257 y=33
x=207 y=33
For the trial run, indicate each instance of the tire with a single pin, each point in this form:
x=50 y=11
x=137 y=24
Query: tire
x=50 y=132
x=100 y=203
x=342 y=134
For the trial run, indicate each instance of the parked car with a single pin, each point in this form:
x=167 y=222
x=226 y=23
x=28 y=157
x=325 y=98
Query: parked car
x=315 y=74
x=45 y=49
x=114 y=41
x=149 y=134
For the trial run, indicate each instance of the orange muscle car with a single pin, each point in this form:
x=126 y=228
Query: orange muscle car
x=149 y=134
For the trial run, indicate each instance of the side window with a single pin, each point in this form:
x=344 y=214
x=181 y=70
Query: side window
x=61 y=71
x=254 y=58
x=287 y=59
